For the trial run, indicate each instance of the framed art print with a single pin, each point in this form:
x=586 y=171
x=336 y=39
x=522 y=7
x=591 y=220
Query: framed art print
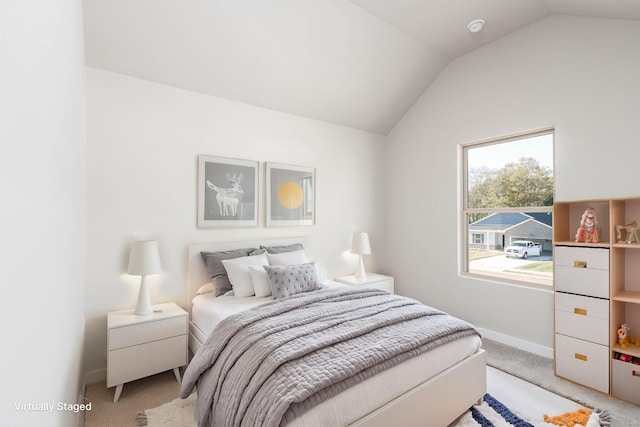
x=290 y=197
x=227 y=192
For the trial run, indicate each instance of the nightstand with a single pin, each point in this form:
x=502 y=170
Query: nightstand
x=372 y=280
x=140 y=346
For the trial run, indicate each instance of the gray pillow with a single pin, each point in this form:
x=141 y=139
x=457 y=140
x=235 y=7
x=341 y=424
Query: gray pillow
x=283 y=248
x=286 y=280
x=217 y=272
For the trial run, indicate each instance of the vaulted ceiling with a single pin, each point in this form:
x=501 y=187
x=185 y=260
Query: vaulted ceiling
x=358 y=63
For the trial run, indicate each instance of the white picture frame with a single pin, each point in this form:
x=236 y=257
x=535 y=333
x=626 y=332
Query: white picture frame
x=228 y=192
x=290 y=195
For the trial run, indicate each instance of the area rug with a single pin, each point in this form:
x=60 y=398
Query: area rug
x=493 y=413
x=539 y=370
x=177 y=413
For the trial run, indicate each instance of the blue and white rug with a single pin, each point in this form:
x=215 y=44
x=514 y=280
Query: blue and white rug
x=492 y=413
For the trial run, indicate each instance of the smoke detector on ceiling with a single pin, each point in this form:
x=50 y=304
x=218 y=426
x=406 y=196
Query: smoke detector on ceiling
x=476 y=25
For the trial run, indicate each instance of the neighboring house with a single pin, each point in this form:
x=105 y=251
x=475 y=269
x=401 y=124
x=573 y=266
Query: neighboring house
x=498 y=230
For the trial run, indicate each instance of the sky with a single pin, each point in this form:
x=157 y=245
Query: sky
x=497 y=155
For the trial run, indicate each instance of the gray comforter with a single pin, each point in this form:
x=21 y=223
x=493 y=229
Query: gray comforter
x=270 y=364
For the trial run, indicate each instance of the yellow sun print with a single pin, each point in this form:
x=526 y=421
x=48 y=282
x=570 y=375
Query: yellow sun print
x=290 y=195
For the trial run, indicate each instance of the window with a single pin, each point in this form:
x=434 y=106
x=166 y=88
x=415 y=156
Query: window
x=508 y=197
x=478 y=238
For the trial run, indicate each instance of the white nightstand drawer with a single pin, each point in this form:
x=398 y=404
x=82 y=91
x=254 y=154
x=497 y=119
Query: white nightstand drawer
x=582 y=271
x=146 y=332
x=582 y=317
x=626 y=381
x=372 y=280
x=583 y=362
x=140 y=361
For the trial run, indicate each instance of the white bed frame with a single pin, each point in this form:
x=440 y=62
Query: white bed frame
x=436 y=402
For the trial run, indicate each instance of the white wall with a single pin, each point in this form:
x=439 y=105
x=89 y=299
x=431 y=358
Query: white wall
x=142 y=145
x=42 y=216
x=577 y=74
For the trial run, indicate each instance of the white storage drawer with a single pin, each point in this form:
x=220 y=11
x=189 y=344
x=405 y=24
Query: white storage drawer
x=626 y=381
x=146 y=332
x=142 y=360
x=583 y=362
x=582 y=271
x=582 y=317
x=595 y=258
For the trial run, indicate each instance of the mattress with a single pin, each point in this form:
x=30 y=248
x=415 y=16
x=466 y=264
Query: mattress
x=361 y=399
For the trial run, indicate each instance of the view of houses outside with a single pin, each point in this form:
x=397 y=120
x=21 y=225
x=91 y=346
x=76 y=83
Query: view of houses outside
x=509 y=198
x=490 y=236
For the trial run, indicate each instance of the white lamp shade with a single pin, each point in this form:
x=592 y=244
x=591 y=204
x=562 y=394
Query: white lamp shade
x=144 y=258
x=360 y=244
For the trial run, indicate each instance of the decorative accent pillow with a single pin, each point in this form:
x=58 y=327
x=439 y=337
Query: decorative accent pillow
x=288 y=258
x=260 y=281
x=217 y=272
x=205 y=289
x=283 y=248
x=286 y=280
x=238 y=272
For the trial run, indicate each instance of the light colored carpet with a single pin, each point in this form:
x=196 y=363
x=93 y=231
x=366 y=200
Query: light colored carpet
x=136 y=396
x=538 y=370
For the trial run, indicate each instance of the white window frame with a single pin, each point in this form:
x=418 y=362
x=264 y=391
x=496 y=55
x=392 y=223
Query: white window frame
x=475 y=238
x=465 y=211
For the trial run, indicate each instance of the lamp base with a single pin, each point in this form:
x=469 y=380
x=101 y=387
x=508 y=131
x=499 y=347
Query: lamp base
x=360 y=273
x=143 y=307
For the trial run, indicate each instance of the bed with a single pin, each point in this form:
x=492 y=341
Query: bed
x=432 y=388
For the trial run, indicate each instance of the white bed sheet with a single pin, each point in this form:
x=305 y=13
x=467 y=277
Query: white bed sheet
x=361 y=399
x=208 y=310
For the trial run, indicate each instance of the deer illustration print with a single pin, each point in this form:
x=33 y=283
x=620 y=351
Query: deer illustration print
x=228 y=198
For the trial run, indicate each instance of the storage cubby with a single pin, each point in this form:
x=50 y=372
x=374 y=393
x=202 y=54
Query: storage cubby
x=566 y=220
x=623 y=296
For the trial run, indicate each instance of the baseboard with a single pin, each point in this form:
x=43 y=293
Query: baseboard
x=81 y=400
x=518 y=343
x=96 y=376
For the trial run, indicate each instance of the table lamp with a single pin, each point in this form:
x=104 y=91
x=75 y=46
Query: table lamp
x=360 y=245
x=144 y=259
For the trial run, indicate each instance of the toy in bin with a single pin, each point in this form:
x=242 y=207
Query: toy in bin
x=627 y=358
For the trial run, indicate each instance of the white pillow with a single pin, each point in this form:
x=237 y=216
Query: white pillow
x=288 y=258
x=238 y=272
x=206 y=288
x=260 y=281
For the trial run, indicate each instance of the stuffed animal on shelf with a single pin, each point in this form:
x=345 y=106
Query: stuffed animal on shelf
x=623 y=335
x=587 y=232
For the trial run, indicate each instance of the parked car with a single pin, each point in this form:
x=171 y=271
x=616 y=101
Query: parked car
x=523 y=249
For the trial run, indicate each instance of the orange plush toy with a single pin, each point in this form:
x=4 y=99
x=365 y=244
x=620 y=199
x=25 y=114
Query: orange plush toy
x=570 y=419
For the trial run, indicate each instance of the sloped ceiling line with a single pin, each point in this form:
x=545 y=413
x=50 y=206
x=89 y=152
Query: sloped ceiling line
x=358 y=63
